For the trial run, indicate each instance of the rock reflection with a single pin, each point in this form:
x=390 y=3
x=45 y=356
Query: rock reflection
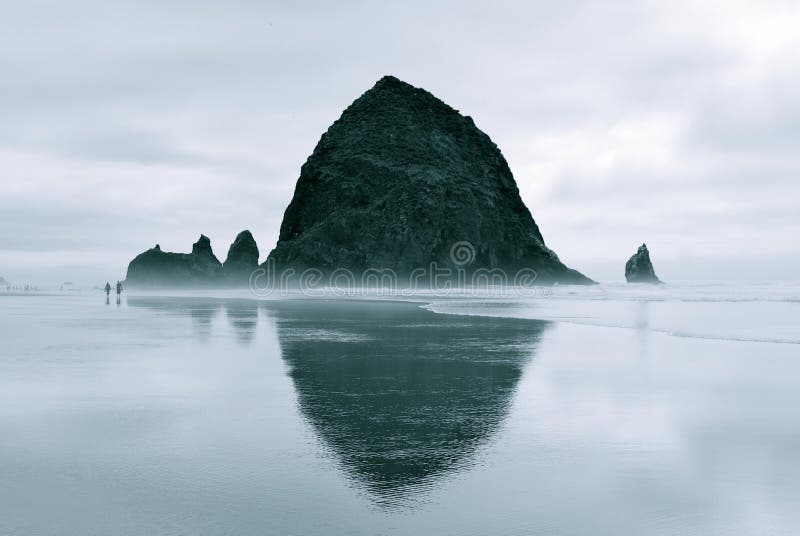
x=400 y=395
x=243 y=317
x=200 y=310
x=242 y=314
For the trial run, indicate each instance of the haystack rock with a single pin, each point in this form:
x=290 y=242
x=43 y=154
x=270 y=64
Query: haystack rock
x=242 y=259
x=639 y=269
x=402 y=180
x=156 y=268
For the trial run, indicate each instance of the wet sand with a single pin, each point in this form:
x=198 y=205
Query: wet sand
x=218 y=416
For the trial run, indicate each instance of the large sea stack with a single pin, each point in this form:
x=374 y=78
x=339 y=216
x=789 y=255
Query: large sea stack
x=402 y=180
x=156 y=268
x=639 y=269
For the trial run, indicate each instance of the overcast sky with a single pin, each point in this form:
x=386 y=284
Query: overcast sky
x=675 y=123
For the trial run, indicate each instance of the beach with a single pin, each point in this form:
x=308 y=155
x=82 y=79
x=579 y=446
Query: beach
x=577 y=411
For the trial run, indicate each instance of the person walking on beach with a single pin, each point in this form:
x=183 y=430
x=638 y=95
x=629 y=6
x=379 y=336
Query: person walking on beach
x=119 y=291
x=108 y=289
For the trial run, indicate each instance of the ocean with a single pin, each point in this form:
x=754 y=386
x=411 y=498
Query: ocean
x=612 y=409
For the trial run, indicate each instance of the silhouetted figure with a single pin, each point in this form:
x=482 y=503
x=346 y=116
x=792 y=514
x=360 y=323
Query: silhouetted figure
x=108 y=289
x=119 y=291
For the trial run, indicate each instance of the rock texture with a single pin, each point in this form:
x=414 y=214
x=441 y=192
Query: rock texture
x=400 y=179
x=639 y=269
x=156 y=268
x=242 y=259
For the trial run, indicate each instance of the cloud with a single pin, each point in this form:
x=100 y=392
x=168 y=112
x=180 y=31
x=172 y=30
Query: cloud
x=126 y=125
x=124 y=145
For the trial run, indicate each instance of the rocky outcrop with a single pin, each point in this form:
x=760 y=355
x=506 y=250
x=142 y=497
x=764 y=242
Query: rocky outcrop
x=156 y=268
x=639 y=269
x=402 y=180
x=242 y=260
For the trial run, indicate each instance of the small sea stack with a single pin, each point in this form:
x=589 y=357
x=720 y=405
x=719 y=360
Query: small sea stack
x=639 y=268
x=241 y=261
x=157 y=268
